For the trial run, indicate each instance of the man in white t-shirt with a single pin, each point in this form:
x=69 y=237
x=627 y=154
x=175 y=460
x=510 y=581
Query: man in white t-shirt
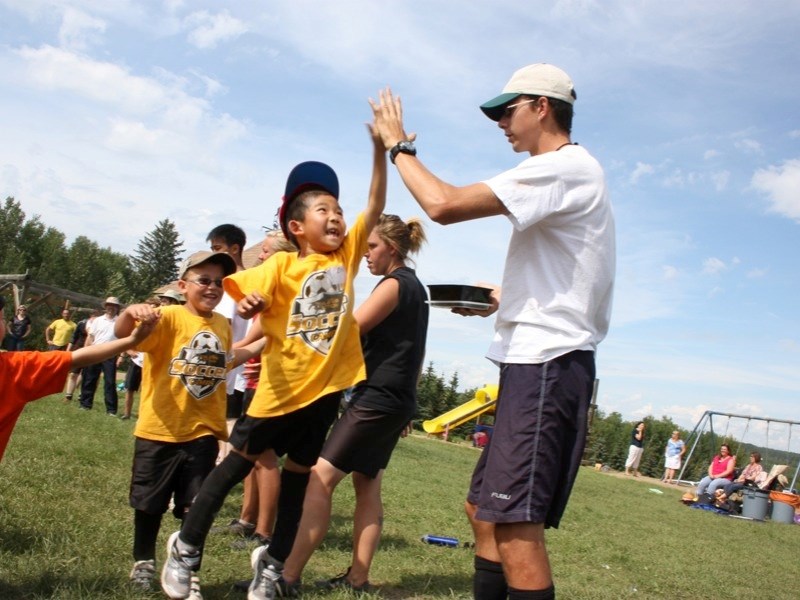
x=99 y=331
x=555 y=309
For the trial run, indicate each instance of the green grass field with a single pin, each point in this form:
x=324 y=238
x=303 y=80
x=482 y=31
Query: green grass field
x=66 y=528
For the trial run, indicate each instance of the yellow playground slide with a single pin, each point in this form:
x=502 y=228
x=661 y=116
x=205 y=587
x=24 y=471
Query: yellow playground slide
x=484 y=400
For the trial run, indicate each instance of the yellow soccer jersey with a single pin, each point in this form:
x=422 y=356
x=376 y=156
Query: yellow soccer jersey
x=183 y=378
x=315 y=347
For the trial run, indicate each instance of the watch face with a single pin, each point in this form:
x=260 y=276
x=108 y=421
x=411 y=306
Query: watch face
x=405 y=146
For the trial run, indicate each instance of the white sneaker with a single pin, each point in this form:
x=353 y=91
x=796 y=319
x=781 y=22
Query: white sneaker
x=142 y=574
x=176 y=576
x=266 y=576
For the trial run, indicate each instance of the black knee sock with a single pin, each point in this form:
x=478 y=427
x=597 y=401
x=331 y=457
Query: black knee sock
x=545 y=594
x=489 y=583
x=145 y=534
x=290 y=509
x=212 y=494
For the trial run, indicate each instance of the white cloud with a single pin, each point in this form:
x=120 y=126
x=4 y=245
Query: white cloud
x=720 y=180
x=640 y=171
x=781 y=185
x=749 y=146
x=78 y=30
x=708 y=154
x=795 y=133
x=670 y=272
x=213 y=86
x=209 y=30
x=756 y=273
x=139 y=106
x=713 y=266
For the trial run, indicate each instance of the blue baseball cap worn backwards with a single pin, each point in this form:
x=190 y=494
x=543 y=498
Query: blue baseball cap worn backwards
x=307 y=175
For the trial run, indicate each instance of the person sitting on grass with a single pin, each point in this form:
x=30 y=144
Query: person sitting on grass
x=182 y=404
x=28 y=376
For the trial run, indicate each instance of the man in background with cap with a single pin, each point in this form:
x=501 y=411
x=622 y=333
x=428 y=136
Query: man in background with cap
x=99 y=331
x=555 y=308
x=170 y=298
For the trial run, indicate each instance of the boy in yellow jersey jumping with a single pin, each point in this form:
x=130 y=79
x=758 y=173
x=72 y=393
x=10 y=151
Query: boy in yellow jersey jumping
x=305 y=302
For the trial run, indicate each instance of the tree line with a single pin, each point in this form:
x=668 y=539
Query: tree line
x=28 y=245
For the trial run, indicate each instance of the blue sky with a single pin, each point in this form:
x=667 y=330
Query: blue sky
x=119 y=114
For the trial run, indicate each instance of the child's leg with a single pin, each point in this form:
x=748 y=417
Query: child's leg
x=145 y=534
x=268 y=480
x=72 y=382
x=294 y=479
x=210 y=498
x=126 y=412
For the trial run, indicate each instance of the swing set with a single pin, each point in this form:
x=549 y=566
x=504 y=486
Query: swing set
x=705 y=427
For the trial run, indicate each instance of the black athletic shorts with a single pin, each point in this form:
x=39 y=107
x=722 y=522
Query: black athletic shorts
x=133 y=378
x=363 y=439
x=298 y=434
x=526 y=471
x=248 y=398
x=161 y=469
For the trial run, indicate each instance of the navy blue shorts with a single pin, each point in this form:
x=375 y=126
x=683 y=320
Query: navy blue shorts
x=299 y=434
x=161 y=469
x=363 y=440
x=526 y=472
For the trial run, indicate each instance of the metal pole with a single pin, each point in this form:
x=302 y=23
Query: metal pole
x=694 y=444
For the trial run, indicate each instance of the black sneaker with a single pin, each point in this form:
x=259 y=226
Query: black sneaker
x=250 y=541
x=340 y=582
x=236 y=527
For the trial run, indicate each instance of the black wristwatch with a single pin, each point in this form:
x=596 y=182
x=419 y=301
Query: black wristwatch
x=405 y=147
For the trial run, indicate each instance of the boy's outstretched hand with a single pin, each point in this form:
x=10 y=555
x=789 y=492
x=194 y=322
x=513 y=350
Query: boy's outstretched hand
x=388 y=119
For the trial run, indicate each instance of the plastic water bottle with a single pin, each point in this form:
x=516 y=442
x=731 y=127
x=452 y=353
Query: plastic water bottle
x=440 y=540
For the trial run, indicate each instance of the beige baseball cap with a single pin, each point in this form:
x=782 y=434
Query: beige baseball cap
x=540 y=79
x=198 y=258
x=112 y=300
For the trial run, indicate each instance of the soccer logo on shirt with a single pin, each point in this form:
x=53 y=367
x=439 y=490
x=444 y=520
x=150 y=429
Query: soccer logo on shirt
x=318 y=308
x=200 y=365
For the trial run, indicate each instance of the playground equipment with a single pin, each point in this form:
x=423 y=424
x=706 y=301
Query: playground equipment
x=484 y=400
x=770 y=444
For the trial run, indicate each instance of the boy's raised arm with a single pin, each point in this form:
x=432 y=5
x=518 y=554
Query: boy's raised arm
x=377 y=188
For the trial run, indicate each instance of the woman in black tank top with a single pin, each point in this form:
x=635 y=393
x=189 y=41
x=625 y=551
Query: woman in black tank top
x=393 y=323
